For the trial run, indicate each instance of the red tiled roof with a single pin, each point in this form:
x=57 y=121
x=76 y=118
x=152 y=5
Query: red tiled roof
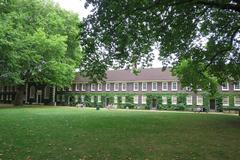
x=147 y=74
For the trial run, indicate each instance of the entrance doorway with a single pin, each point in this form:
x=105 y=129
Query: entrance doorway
x=154 y=103
x=39 y=97
x=212 y=104
x=107 y=102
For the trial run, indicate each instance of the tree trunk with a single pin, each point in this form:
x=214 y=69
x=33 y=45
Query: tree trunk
x=19 y=95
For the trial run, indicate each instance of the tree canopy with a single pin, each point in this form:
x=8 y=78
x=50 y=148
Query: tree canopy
x=38 y=43
x=199 y=39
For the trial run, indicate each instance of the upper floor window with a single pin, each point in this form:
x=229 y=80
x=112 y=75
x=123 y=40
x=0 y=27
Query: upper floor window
x=199 y=100
x=99 y=87
x=237 y=86
x=124 y=86
x=225 y=86
x=164 y=86
x=189 y=100
x=135 y=86
x=116 y=86
x=77 y=87
x=84 y=87
x=107 y=86
x=154 y=86
x=93 y=86
x=174 y=86
x=46 y=92
x=144 y=86
x=32 y=92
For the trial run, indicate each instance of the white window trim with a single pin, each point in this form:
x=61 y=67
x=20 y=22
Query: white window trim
x=237 y=89
x=189 y=103
x=235 y=104
x=93 y=87
x=92 y=99
x=83 y=87
x=153 y=85
x=163 y=89
x=108 y=89
x=199 y=104
x=164 y=102
x=135 y=99
x=144 y=99
x=115 y=100
x=125 y=87
x=172 y=98
x=123 y=100
x=142 y=86
x=226 y=89
x=135 y=89
x=226 y=104
x=82 y=98
x=99 y=99
x=116 y=88
x=99 y=86
x=172 y=86
x=76 y=87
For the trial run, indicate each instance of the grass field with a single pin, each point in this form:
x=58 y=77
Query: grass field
x=74 y=134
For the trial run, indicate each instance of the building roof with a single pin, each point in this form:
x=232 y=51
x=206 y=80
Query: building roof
x=147 y=74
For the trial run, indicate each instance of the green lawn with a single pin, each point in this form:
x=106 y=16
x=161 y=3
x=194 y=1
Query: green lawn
x=70 y=133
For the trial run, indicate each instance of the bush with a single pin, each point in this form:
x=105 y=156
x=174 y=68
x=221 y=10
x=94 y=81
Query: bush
x=129 y=105
x=180 y=107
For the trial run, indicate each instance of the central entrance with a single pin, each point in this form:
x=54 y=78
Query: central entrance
x=39 y=97
x=154 y=103
x=212 y=104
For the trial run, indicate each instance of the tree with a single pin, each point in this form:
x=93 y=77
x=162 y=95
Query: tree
x=200 y=37
x=38 y=43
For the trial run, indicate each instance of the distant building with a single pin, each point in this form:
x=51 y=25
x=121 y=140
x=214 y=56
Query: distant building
x=151 y=88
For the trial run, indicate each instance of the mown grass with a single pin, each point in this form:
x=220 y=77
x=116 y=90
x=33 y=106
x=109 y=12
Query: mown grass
x=73 y=134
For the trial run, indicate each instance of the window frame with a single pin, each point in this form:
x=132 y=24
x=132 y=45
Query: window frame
x=163 y=86
x=135 y=84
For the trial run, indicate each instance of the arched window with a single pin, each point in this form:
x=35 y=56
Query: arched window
x=32 y=92
x=46 y=92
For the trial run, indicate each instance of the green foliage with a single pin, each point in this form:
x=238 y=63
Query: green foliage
x=38 y=43
x=200 y=37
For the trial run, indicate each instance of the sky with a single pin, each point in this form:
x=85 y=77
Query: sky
x=77 y=6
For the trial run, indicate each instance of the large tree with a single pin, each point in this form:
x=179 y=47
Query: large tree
x=38 y=43
x=198 y=38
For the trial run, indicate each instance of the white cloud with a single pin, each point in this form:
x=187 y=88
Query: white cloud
x=76 y=6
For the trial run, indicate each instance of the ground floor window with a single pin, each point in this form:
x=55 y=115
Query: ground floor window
x=46 y=92
x=174 y=100
x=225 y=101
x=58 y=98
x=92 y=99
x=63 y=98
x=82 y=98
x=164 y=100
x=32 y=92
x=135 y=99
x=189 y=100
x=115 y=99
x=99 y=99
x=144 y=99
x=199 y=100
x=123 y=99
x=76 y=98
x=237 y=101
x=2 y=97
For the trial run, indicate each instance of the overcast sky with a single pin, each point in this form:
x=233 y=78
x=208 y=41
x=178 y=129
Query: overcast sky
x=77 y=6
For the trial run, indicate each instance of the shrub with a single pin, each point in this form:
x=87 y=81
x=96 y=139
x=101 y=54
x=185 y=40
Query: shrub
x=129 y=105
